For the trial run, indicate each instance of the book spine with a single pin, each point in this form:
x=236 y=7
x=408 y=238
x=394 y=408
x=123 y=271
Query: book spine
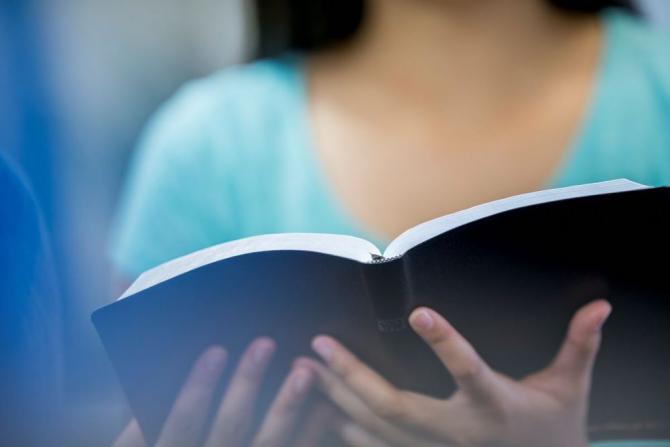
x=388 y=291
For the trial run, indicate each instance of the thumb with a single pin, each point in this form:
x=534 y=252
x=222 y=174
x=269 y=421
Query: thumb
x=577 y=355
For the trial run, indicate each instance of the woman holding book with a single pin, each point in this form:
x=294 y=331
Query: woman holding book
x=368 y=117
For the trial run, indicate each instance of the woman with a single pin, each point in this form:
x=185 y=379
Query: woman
x=377 y=115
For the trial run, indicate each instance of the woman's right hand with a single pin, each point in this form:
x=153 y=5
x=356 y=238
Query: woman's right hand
x=547 y=408
x=186 y=425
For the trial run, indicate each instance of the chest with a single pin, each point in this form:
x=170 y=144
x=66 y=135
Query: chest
x=389 y=176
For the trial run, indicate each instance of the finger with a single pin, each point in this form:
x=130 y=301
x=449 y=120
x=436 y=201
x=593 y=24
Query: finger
x=576 y=357
x=131 y=436
x=283 y=413
x=234 y=416
x=353 y=406
x=377 y=393
x=323 y=418
x=188 y=416
x=470 y=372
x=356 y=436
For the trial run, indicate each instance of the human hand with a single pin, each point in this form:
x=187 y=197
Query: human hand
x=548 y=408
x=186 y=425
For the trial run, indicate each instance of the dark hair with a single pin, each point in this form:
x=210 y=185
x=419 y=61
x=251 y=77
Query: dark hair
x=308 y=25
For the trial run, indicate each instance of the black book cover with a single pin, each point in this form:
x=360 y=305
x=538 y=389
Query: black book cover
x=509 y=283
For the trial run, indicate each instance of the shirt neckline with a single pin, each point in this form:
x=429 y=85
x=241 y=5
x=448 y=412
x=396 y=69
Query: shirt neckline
x=312 y=162
x=561 y=173
x=576 y=148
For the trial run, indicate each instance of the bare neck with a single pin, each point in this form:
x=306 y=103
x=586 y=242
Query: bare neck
x=433 y=44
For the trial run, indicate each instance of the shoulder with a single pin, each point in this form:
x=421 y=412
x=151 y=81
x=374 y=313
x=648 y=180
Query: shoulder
x=253 y=88
x=208 y=149
x=640 y=49
x=626 y=132
x=239 y=108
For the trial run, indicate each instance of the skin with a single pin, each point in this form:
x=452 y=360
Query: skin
x=398 y=113
x=547 y=408
x=395 y=115
x=186 y=425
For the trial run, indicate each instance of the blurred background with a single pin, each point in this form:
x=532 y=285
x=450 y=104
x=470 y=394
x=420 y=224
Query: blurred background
x=78 y=79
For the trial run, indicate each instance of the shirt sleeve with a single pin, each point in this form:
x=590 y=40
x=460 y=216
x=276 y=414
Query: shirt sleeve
x=173 y=201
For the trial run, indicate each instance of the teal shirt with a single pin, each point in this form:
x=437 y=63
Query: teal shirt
x=230 y=156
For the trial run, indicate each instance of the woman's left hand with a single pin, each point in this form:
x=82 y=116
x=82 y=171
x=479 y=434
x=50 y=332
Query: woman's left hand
x=232 y=426
x=548 y=408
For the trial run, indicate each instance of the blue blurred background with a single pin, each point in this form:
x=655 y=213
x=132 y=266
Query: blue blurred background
x=78 y=79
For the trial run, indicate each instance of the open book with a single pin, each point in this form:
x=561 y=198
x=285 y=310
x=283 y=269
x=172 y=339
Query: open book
x=508 y=274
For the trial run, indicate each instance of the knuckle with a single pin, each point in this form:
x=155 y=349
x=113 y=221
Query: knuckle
x=469 y=371
x=233 y=425
x=249 y=374
x=499 y=414
x=578 y=358
x=390 y=407
x=369 y=420
x=585 y=345
x=436 y=337
x=285 y=406
x=579 y=347
x=348 y=370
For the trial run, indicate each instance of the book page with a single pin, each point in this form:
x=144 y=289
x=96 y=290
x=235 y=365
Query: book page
x=331 y=244
x=428 y=230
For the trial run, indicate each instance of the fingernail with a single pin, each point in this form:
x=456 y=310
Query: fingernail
x=323 y=347
x=262 y=352
x=214 y=359
x=423 y=320
x=301 y=380
x=603 y=319
x=303 y=362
